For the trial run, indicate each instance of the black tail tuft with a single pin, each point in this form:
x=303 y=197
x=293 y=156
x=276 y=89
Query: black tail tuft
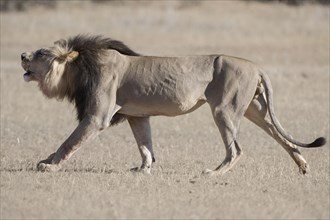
x=318 y=142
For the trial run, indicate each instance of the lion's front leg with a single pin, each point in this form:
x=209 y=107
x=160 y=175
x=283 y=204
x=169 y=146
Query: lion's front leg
x=87 y=128
x=141 y=129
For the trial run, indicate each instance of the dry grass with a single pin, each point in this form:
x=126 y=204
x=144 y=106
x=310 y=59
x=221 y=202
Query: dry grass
x=292 y=43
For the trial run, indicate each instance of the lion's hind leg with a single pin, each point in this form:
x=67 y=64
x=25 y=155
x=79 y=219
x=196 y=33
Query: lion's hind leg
x=228 y=124
x=257 y=112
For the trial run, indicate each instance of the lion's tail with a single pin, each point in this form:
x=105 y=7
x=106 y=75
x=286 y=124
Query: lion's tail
x=269 y=96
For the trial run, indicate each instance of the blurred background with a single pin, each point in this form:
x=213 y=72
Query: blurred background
x=289 y=39
x=170 y=27
x=21 y=5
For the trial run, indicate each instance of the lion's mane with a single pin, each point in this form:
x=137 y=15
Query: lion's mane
x=81 y=77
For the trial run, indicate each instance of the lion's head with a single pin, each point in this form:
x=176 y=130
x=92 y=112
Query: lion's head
x=47 y=67
x=71 y=68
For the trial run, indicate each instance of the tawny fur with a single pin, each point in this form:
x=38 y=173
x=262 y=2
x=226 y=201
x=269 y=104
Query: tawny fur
x=108 y=83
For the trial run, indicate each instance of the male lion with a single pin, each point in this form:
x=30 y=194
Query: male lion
x=108 y=83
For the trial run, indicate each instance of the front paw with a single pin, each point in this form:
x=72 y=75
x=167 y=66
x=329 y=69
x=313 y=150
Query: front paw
x=46 y=167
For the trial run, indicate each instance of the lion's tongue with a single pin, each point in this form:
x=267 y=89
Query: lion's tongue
x=26 y=76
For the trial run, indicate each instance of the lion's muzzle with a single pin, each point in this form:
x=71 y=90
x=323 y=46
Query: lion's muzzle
x=25 y=65
x=27 y=76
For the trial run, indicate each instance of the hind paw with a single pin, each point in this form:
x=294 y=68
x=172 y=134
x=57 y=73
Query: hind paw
x=144 y=170
x=208 y=172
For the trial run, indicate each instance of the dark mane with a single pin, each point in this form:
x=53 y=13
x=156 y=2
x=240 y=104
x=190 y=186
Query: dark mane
x=93 y=44
x=88 y=71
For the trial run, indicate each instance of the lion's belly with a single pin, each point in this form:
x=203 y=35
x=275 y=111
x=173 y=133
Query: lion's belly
x=160 y=107
x=169 y=100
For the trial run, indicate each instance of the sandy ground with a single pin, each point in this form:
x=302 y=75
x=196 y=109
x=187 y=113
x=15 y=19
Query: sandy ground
x=291 y=43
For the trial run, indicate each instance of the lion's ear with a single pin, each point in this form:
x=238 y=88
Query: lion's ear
x=71 y=56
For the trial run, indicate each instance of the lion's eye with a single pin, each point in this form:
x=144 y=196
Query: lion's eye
x=40 y=53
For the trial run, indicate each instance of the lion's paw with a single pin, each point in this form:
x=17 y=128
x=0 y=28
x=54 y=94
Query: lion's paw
x=208 y=172
x=44 y=167
x=141 y=170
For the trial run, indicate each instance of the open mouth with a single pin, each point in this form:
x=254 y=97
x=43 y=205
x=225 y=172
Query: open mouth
x=27 y=76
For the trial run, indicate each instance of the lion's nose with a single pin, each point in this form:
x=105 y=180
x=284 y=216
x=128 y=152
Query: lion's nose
x=23 y=56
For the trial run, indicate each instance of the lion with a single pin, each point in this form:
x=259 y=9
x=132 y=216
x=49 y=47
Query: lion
x=109 y=83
